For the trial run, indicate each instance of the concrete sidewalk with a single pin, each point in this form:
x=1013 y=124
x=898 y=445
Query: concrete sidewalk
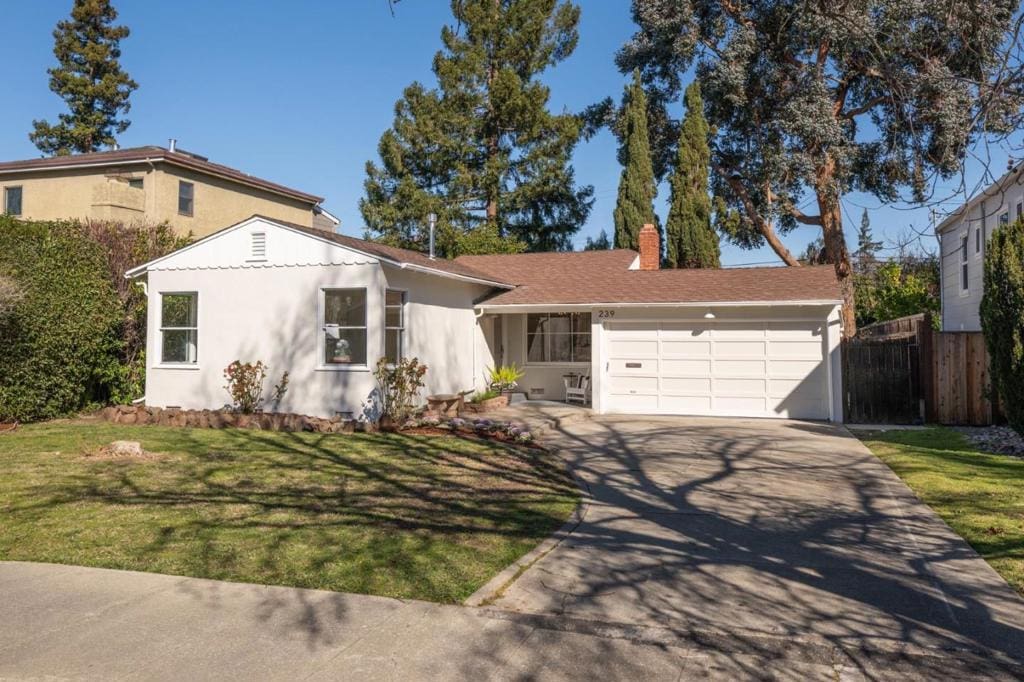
x=67 y=622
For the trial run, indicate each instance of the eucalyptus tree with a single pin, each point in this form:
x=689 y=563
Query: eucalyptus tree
x=812 y=100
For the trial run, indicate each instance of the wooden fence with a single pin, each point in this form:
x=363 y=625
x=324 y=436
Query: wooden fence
x=903 y=371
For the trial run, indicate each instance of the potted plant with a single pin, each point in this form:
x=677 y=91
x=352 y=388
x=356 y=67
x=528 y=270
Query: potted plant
x=504 y=378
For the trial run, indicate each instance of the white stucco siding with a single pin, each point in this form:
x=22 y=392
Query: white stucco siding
x=272 y=314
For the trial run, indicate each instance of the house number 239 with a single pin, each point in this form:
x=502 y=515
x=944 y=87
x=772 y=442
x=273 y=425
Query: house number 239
x=605 y=313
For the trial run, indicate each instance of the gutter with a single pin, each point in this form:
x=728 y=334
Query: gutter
x=526 y=307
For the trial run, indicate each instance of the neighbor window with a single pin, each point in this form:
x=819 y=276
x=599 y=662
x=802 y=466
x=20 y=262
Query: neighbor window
x=186 y=197
x=1004 y=218
x=963 y=263
x=179 y=328
x=1020 y=209
x=977 y=240
x=394 y=325
x=344 y=326
x=137 y=183
x=12 y=200
x=558 y=337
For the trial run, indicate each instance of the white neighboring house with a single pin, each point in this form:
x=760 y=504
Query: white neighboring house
x=325 y=307
x=963 y=238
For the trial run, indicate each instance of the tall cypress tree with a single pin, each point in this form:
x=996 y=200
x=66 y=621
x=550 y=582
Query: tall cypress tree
x=90 y=79
x=635 y=204
x=690 y=241
x=481 y=150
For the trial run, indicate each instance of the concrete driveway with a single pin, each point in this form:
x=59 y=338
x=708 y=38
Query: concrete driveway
x=769 y=535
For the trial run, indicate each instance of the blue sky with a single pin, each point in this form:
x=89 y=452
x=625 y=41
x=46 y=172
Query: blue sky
x=300 y=92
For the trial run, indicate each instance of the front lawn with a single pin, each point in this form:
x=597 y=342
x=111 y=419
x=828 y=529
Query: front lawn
x=981 y=496
x=427 y=517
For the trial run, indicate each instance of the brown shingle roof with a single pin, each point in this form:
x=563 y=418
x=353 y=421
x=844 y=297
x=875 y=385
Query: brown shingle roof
x=155 y=154
x=393 y=253
x=593 y=277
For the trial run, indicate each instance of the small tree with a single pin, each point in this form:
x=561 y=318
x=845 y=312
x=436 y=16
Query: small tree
x=90 y=79
x=599 y=243
x=1002 y=319
x=634 y=207
x=866 y=255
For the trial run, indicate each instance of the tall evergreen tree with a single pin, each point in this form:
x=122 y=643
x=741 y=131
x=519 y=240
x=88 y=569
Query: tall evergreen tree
x=866 y=255
x=481 y=150
x=89 y=78
x=690 y=241
x=637 y=189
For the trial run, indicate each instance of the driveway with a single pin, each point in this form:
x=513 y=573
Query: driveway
x=768 y=535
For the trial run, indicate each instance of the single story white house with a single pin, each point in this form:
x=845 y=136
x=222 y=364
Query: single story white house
x=757 y=342
x=963 y=238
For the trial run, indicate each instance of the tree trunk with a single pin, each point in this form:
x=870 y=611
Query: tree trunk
x=836 y=252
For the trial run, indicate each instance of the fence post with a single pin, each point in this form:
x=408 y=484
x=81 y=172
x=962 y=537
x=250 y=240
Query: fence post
x=926 y=366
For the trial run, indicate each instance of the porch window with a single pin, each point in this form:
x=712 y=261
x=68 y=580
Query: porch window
x=394 y=325
x=558 y=337
x=179 y=328
x=343 y=327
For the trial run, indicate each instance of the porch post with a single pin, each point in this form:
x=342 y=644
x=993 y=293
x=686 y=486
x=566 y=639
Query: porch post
x=597 y=360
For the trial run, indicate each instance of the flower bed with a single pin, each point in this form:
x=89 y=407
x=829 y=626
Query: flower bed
x=491 y=429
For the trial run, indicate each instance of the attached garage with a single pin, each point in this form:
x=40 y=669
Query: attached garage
x=750 y=368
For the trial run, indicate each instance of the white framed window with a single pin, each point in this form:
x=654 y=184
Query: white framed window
x=12 y=200
x=562 y=338
x=1004 y=218
x=394 y=325
x=343 y=327
x=179 y=328
x=186 y=198
x=963 y=264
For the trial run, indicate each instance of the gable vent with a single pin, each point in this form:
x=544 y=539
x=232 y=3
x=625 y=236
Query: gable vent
x=259 y=246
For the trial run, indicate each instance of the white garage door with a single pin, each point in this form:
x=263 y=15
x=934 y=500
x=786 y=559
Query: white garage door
x=749 y=369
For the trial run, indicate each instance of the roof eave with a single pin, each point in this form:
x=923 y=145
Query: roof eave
x=525 y=307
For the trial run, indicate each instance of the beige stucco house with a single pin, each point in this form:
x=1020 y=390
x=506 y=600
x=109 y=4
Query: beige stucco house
x=150 y=184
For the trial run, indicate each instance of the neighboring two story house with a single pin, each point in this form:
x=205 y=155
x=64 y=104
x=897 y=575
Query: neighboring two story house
x=151 y=184
x=963 y=236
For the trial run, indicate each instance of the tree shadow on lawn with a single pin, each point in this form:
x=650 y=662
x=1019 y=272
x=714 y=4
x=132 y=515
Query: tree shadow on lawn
x=405 y=516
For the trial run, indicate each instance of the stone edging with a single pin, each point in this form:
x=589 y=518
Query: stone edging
x=225 y=419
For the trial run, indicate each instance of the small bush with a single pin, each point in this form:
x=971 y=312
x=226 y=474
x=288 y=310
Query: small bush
x=400 y=386
x=245 y=385
x=1002 y=319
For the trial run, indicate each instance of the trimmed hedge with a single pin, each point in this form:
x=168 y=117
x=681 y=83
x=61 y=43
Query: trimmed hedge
x=1002 y=318
x=61 y=340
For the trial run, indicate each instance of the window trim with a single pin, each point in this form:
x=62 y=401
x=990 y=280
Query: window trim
x=401 y=329
x=964 y=275
x=321 y=327
x=557 y=363
x=21 y=200
x=160 y=362
x=192 y=199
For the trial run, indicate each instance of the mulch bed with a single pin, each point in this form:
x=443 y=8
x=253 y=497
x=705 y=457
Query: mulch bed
x=999 y=440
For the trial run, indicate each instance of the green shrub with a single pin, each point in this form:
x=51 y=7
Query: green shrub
x=504 y=377
x=1002 y=319
x=61 y=340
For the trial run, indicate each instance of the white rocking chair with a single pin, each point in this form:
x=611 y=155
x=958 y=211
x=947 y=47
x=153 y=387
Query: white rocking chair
x=577 y=389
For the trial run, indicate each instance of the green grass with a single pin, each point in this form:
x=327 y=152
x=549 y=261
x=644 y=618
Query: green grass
x=980 y=496
x=427 y=517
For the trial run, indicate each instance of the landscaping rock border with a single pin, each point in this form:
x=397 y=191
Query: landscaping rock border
x=225 y=419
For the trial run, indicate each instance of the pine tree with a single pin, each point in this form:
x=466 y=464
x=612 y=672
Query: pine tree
x=90 y=79
x=635 y=204
x=866 y=255
x=599 y=243
x=690 y=241
x=481 y=150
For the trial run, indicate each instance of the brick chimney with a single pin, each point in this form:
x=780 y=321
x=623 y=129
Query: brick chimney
x=650 y=248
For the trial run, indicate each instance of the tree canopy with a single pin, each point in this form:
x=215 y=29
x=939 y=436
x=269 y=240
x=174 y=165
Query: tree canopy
x=481 y=150
x=825 y=98
x=89 y=78
x=634 y=206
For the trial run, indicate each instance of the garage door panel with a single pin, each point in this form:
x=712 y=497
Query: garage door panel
x=739 y=349
x=739 y=368
x=685 y=368
x=762 y=369
x=686 y=349
x=685 y=386
x=635 y=384
x=798 y=351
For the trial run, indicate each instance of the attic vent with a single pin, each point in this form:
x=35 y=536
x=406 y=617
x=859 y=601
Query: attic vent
x=259 y=246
